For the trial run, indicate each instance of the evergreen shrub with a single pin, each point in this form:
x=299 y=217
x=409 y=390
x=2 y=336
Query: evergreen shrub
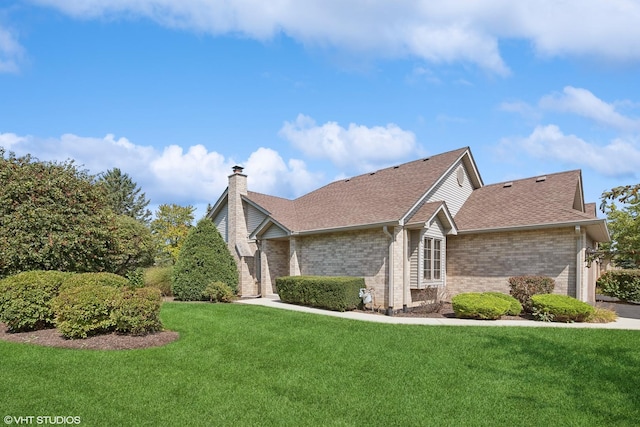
x=333 y=293
x=98 y=279
x=515 y=308
x=203 y=259
x=563 y=308
x=474 y=305
x=25 y=299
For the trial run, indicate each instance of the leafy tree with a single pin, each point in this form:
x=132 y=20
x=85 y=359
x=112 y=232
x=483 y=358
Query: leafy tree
x=170 y=227
x=203 y=259
x=52 y=217
x=624 y=225
x=134 y=245
x=124 y=195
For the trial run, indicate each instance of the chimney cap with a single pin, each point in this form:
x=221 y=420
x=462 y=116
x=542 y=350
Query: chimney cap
x=237 y=169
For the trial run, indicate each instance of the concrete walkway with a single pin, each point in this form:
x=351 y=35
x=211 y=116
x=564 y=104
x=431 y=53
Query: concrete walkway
x=621 y=323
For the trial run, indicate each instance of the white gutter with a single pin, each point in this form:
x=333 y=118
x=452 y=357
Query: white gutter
x=390 y=306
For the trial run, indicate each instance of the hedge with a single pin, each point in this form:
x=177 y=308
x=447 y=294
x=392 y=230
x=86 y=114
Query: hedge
x=621 y=284
x=85 y=310
x=474 y=305
x=563 y=308
x=333 y=293
x=25 y=299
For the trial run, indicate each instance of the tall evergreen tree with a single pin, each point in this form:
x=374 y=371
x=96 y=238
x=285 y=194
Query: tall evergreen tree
x=124 y=195
x=203 y=259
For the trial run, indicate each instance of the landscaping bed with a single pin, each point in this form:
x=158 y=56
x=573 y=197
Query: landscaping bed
x=112 y=341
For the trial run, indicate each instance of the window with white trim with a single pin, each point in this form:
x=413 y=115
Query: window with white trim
x=432 y=268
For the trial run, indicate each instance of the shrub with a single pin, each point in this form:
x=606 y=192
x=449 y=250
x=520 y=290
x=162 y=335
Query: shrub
x=25 y=299
x=98 y=279
x=515 y=307
x=524 y=287
x=204 y=258
x=136 y=278
x=563 y=308
x=85 y=310
x=137 y=311
x=218 y=292
x=333 y=293
x=479 y=306
x=160 y=278
x=622 y=284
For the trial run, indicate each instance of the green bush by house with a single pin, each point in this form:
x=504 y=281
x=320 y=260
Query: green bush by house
x=473 y=305
x=25 y=299
x=524 y=287
x=218 y=292
x=333 y=293
x=514 y=309
x=562 y=308
x=622 y=284
x=204 y=258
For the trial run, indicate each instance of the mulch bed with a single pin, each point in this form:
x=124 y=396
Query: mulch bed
x=445 y=311
x=112 y=341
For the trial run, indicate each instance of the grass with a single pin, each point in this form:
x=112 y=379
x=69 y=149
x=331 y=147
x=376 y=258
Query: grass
x=247 y=365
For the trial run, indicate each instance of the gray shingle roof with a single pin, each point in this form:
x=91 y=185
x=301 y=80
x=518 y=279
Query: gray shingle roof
x=525 y=202
x=374 y=198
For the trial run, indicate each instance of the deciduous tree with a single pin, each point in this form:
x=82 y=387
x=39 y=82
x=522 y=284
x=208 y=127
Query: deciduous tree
x=170 y=227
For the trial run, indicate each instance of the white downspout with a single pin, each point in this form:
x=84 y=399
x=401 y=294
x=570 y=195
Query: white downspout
x=579 y=263
x=391 y=239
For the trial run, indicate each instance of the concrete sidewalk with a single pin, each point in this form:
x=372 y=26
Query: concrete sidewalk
x=621 y=323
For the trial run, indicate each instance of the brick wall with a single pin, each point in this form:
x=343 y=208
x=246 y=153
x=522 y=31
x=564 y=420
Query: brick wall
x=275 y=263
x=484 y=261
x=358 y=253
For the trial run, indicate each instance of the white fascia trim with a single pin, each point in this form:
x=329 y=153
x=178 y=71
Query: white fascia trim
x=586 y=223
x=219 y=203
x=346 y=228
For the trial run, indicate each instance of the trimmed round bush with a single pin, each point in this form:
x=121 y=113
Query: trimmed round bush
x=563 y=308
x=218 y=292
x=479 y=306
x=514 y=309
x=204 y=258
x=85 y=310
x=137 y=311
x=25 y=299
x=99 y=279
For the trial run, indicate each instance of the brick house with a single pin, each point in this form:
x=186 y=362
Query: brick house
x=430 y=222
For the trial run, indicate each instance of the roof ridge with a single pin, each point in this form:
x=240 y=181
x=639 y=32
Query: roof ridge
x=534 y=177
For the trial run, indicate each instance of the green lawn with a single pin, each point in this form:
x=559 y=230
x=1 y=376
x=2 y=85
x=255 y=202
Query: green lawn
x=247 y=365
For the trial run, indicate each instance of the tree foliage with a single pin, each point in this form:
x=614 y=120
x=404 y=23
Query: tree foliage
x=624 y=225
x=124 y=195
x=52 y=217
x=203 y=259
x=134 y=246
x=170 y=228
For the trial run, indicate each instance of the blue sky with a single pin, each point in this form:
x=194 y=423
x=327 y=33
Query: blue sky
x=303 y=93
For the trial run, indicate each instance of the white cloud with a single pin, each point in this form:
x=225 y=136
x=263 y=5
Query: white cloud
x=355 y=147
x=618 y=158
x=11 y=52
x=584 y=103
x=194 y=176
x=438 y=31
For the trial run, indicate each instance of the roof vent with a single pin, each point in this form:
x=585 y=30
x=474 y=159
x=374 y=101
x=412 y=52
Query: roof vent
x=507 y=184
x=425 y=159
x=347 y=180
x=541 y=178
x=396 y=167
x=372 y=173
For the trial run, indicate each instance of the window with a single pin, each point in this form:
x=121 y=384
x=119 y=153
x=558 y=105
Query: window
x=432 y=267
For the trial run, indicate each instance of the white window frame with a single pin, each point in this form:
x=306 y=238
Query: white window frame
x=432 y=259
